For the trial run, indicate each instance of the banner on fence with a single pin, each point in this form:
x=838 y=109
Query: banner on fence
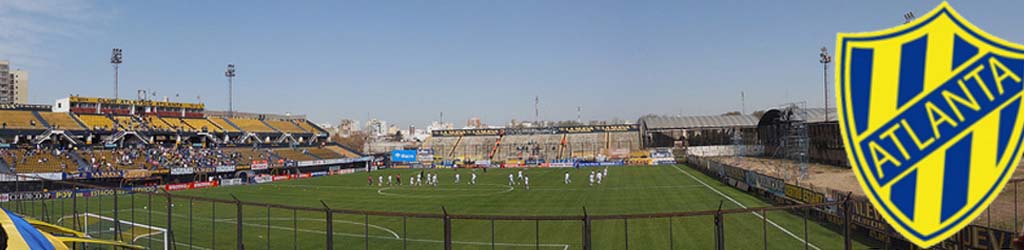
x=225 y=169
x=280 y=177
x=136 y=174
x=803 y=194
x=231 y=182
x=259 y=165
x=263 y=179
x=5 y=197
x=182 y=171
x=319 y=173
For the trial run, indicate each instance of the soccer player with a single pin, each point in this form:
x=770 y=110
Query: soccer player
x=412 y=181
x=419 y=180
x=526 y=182
x=457 y=178
x=599 y=178
x=389 y=179
x=520 y=175
x=380 y=180
x=567 y=180
x=591 y=178
x=472 y=180
x=605 y=171
x=399 y=179
x=435 y=180
x=369 y=180
x=511 y=180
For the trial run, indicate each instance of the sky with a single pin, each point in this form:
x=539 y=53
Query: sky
x=408 y=61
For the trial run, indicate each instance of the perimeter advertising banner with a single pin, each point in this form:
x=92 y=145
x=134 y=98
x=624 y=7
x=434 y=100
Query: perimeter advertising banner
x=403 y=155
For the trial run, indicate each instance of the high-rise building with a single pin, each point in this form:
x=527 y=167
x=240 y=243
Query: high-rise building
x=13 y=84
x=19 y=79
x=6 y=86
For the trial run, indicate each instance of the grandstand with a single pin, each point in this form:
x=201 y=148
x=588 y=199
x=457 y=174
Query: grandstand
x=307 y=126
x=286 y=126
x=221 y=123
x=60 y=120
x=201 y=124
x=297 y=154
x=97 y=122
x=19 y=119
x=543 y=144
x=38 y=161
x=251 y=125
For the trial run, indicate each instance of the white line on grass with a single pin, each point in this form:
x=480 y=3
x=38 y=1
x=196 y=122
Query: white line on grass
x=393 y=233
x=476 y=243
x=741 y=205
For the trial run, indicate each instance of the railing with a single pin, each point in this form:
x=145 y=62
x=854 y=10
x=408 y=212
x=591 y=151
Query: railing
x=145 y=216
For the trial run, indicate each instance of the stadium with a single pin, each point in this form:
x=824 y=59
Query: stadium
x=102 y=172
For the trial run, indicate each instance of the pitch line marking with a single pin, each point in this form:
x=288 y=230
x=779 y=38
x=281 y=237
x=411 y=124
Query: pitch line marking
x=476 y=243
x=741 y=205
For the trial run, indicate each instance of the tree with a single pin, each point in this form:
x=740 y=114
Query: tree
x=732 y=113
x=355 y=140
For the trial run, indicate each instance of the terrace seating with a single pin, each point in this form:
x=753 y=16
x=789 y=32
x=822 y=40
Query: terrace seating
x=342 y=151
x=219 y=122
x=307 y=126
x=61 y=121
x=251 y=125
x=38 y=161
x=96 y=122
x=293 y=154
x=200 y=123
x=177 y=123
x=323 y=153
x=157 y=123
x=127 y=123
x=285 y=126
x=19 y=119
x=111 y=160
x=247 y=155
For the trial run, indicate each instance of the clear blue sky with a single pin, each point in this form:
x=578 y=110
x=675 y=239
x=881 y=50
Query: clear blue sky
x=406 y=61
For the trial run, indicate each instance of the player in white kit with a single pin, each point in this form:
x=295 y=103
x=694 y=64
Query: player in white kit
x=472 y=180
x=599 y=178
x=412 y=181
x=526 y=182
x=511 y=180
x=435 y=180
x=605 y=171
x=591 y=178
x=389 y=180
x=520 y=177
x=380 y=180
x=457 y=178
x=567 y=180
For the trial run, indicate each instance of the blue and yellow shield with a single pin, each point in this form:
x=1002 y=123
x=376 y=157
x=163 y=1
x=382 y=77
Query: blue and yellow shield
x=930 y=113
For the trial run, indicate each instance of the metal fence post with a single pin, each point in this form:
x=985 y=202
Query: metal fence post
x=330 y=226
x=719 y=228
x=536 y=233
x=671 y=239
x=366 y=230
x=807 y=240
x=405 y=233
x=238 y=228
x=625 y=229
x=846 y=222
x=74 y=211
x=447 y=229
x=764 y=227
x=586 y=230
x=492 y=234
x=117 y=223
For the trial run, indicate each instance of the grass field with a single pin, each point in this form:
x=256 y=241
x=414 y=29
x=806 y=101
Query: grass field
x=628 y=190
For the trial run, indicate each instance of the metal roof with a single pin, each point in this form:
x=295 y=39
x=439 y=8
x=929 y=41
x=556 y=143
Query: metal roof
x=688 y=122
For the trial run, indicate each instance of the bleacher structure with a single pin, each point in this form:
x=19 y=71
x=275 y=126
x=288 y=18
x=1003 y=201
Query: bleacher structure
x=547 y=144
x=105 y=124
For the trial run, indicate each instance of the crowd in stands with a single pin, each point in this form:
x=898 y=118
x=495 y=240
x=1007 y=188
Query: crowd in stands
x=37 y=159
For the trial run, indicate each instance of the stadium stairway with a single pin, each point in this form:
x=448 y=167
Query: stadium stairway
x=4 y=168
x=79 y=121
x=271 y=127
x=41 y=120
x=228 y=121
x=82 y=164
x=311 y=155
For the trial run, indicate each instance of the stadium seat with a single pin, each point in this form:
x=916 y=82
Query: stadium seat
x=41 y=161
x=251 y=125
x=293 y=154
x=219 y=122
x=323 y=153
x=199 y=124
x=61 y=121
x=304 y=124
x=97 y=122
x=285 y=126
x=19 y=119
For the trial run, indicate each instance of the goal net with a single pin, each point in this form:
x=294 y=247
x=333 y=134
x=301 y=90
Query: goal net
x=102 y=227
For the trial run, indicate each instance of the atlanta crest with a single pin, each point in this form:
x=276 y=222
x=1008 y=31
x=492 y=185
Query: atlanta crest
x=930 y=112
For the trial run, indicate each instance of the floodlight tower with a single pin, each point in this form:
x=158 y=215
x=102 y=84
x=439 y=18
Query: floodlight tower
x=116 y=59
x=825 y=59
x=230 y=74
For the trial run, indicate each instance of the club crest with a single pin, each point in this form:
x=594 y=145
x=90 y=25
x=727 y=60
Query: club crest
x=930 y=112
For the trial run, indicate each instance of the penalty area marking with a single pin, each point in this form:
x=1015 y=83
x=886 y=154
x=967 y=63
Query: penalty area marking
x=394 y=236
x=741 y=205
x=383 y=191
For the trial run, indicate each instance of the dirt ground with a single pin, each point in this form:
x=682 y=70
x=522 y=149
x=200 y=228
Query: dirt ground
x=1002 y=214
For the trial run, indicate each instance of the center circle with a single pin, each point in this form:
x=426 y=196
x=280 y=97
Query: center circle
x=445 y=191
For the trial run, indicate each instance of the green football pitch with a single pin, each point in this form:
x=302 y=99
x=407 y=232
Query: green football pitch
x=199 y=224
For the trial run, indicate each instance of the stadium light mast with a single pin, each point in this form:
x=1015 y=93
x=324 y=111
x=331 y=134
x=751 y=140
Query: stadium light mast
x=825 y=59
x=230 y=74
x=116 y=59
x=909 y=16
